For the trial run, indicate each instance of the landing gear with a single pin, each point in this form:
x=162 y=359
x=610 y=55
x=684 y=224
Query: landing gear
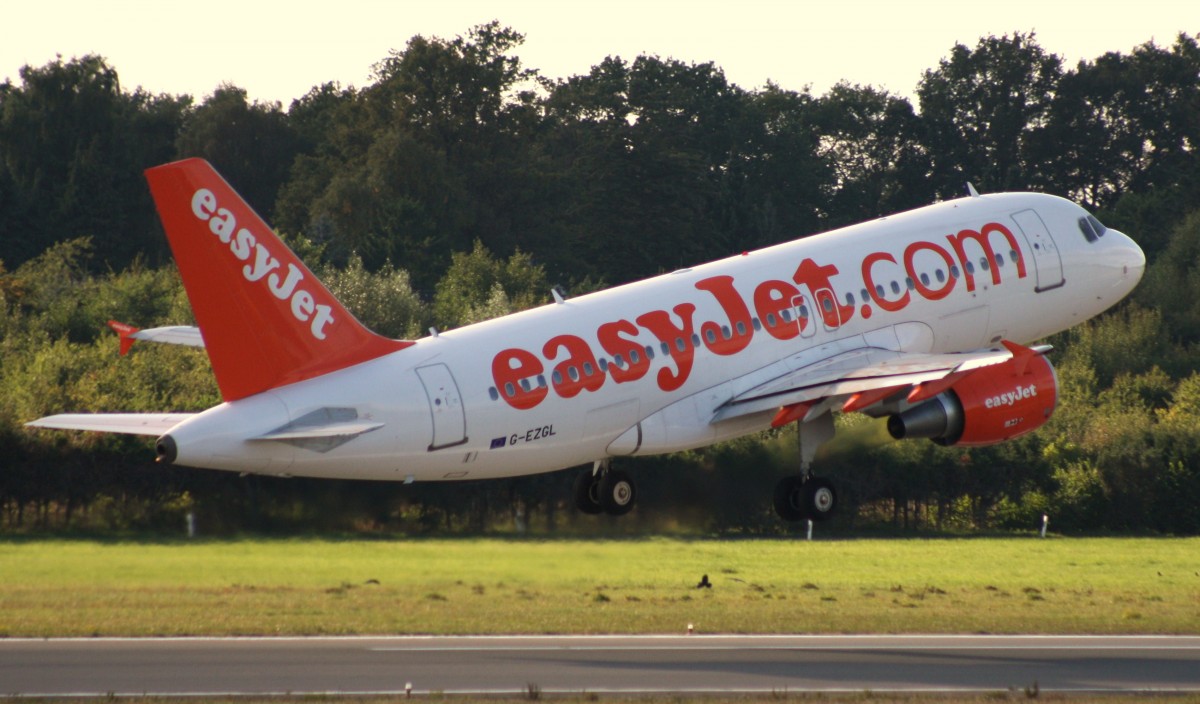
x=799 y=498
x=604 y=490
x=805 y=496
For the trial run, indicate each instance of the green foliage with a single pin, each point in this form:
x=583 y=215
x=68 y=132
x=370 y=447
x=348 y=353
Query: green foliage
x=458 y=184
x=479 y=286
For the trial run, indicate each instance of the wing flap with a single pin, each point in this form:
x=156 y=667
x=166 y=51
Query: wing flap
x=859 y=371
x=127 y=423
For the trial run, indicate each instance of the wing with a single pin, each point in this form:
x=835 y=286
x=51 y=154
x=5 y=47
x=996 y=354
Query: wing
x=128 y=423
x=861 y=378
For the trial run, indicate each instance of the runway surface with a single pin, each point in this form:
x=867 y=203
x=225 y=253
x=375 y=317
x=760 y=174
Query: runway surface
x=598 y=664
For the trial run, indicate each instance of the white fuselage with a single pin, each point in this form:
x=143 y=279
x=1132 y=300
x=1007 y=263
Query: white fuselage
x=513 y=395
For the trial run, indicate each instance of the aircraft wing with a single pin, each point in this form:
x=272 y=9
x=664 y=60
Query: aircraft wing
x=871 y=373
x=128 y=423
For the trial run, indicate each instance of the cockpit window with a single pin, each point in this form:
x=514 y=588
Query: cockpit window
x=1091 y=228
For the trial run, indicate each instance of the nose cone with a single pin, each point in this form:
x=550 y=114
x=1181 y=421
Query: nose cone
x=1128 y=255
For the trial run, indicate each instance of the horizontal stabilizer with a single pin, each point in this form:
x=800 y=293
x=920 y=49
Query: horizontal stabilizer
x=323 y=429
x=314 y=432
x=173 y=335
x=128 y=423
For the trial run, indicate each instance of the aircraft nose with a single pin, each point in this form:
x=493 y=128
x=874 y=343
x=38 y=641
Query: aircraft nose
x=1130 y=256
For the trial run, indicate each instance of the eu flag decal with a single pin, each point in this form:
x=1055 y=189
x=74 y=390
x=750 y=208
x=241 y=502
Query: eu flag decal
x=498 y=442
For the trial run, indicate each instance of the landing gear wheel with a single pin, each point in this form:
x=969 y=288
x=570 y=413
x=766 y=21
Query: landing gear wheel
x=789 y=499
x=617 y=492
x=587 y=492
x=820 y=499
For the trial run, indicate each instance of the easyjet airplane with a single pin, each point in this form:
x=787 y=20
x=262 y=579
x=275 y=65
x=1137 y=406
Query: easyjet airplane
x=919 y=317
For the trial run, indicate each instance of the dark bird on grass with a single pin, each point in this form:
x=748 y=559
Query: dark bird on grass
x=704 y=583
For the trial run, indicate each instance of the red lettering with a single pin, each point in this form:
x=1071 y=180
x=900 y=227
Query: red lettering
x=771 y=297
x=983 y=239
x=818 y=280
x=578 y=371
x=508 y=369
x=677 y=339
x=869 y=282
x=735 y=337
x=612 y=342
x=910 y=254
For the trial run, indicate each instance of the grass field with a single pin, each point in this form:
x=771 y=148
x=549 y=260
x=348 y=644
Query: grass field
x=313 y=586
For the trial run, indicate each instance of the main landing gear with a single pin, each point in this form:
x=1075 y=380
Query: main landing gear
x=603 y=489
x=805 y=496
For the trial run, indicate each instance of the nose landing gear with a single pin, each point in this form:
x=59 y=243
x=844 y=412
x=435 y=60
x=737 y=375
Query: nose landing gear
x=604 y=490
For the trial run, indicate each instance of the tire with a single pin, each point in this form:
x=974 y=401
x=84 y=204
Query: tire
x=790 y=504
x=617 y=493
x=586 y=492
x=820 y=498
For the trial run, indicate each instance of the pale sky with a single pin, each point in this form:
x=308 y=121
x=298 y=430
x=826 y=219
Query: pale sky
x=277 y=51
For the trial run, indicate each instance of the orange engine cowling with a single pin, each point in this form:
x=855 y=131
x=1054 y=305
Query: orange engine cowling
x=990 y=405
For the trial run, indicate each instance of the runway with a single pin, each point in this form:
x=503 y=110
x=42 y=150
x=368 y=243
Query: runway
x=601 y=664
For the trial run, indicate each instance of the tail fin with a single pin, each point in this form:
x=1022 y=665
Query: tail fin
x=265 y=318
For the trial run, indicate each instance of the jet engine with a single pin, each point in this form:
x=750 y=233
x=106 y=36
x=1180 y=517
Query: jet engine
x=989 y=405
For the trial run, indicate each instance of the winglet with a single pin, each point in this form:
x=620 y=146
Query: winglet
x=125 y=333
x=267 y=321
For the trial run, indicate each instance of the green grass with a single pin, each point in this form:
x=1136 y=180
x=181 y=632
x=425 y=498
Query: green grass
x=313 y=586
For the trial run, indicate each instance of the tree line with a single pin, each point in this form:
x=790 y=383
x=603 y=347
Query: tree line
x=459 y=185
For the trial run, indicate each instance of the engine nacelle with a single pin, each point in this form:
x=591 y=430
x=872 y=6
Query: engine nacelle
x=991 y=405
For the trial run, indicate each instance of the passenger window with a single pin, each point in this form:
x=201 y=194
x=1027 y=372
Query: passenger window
x=756 y=324
x=649 y=352
x=865 y=294
x=541 y=381
x=954 y=272
x=634 y=357
x=771 y=322
x=681 y=344
x=983 y=264
x=509 y=389
x=827 y=304
x=970 y=268
x=879 y=291
x=924 y=278
x=725 y=332
x=587 y=369
x=557 y=377
x=695 y=340
x=573 y=373
x=619 y=360
x=741 y=328
x=786 y=314
x=666 y=349
x=940 y=276
x=603 y=362
x=493 y=393
x=526 y=385
x=712 y=336
x=1012 y=254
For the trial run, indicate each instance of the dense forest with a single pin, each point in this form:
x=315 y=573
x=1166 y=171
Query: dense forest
x=460 y=185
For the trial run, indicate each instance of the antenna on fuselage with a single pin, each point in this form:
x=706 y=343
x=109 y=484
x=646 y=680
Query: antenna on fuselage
x=971 y=190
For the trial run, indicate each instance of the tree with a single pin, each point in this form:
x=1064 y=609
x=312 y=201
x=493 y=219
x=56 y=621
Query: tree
x=252 y=145
x=72 y=150
x=981 y=108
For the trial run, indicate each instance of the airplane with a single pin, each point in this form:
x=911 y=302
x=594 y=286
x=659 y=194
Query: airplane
x=922 y=317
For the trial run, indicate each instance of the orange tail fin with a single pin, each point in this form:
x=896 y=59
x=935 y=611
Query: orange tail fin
x=265 y=319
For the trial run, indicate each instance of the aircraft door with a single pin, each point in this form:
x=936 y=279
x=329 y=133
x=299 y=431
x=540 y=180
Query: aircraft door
x=801 y=314
x=1047 y=260
x=445 y=406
